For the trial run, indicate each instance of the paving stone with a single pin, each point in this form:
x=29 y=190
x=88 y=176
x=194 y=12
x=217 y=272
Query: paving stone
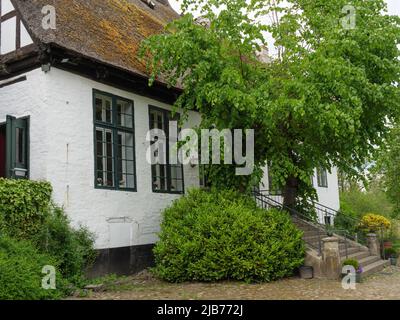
x=380 y=286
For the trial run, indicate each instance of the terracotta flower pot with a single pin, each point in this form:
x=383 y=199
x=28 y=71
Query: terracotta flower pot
x=388 y=244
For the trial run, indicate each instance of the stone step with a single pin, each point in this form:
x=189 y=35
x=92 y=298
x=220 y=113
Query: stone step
x=350 y=251
x=342 y=246
x=374 y=267
x=364 y=262
x=314 y=238
x=356 y=256
x=312 y=233
x=370 y=264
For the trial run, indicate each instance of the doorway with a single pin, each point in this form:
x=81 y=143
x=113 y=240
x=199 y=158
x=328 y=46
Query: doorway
x=2 y=150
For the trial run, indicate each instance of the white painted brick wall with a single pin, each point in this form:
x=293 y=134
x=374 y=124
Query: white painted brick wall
x=60 y=106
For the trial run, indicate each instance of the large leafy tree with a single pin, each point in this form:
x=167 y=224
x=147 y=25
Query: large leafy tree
x=387 y=169
x=324 y=100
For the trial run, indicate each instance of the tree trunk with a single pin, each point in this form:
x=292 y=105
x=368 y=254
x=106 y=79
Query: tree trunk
x=290 y=192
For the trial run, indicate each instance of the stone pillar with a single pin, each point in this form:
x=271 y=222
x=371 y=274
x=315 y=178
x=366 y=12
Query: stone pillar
x=331 y=258
x=373 y=244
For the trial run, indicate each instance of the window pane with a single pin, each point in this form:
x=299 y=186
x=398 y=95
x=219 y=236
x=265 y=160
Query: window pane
x=166 y=178
x=176 y=185
x=176 y=178
x=103 y=108
x=322 y=177
x=125 y=114
x=6 y=7
x=25 y=37
x=126 y=164
x=8 y=35
x=157 y=120
x=19 y=139
x=104 y=158
x=159 y=174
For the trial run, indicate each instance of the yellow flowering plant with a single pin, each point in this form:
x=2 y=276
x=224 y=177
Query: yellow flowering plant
x=374 y=222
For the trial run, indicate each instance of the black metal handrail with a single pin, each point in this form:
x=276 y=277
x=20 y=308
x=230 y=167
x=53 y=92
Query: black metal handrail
x=276 y=201
x=319 y=208
x=269 y=203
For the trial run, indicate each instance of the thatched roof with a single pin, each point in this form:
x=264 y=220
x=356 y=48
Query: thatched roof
x=108 y=31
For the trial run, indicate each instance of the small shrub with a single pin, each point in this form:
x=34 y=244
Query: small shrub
x=26 y=213
x=347 y=220
x=211 y=236
x=351 y=262
x=391 y=253
x=23 y=206
x=374 y=222
x=354 y=263
x=73 y=248
x=21 y=275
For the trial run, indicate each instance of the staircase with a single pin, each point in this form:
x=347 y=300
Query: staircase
x=314 y=232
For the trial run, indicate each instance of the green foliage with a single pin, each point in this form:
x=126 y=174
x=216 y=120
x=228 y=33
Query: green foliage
x=351 y=262
x=26 y=213
x=356 y=202
x=347 y=220
x=391 y=253
x=211 y=236
x=388 y=168
x=73 y=248
x=23 y=206
x=21 y=274
x=323 y=101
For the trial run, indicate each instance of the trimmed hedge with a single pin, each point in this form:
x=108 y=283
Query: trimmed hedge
x=211 y=236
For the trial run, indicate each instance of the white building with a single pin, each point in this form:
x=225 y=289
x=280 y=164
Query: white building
x=75 y=108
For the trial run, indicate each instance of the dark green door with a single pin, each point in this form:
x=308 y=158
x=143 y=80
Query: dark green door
x=17 y=148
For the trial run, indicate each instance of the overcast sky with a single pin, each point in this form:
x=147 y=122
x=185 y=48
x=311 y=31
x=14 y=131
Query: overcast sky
x=394 y=6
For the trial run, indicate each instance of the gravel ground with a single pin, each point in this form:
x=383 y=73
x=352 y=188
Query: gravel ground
x=381 y=286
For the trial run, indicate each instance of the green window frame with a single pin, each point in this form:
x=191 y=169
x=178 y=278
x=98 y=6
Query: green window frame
x=168 y=178
x=114 y=142
x=322 y=178
x=17 y=157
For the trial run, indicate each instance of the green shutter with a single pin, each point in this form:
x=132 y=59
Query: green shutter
x=17 y=148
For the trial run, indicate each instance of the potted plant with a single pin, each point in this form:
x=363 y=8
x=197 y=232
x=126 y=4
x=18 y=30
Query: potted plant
x=356 y=266
x=392 y=255
x=373 y=223
x=387 y=243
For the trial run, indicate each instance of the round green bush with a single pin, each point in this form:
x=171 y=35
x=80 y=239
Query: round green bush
x=21 y=266
x=211 y=236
